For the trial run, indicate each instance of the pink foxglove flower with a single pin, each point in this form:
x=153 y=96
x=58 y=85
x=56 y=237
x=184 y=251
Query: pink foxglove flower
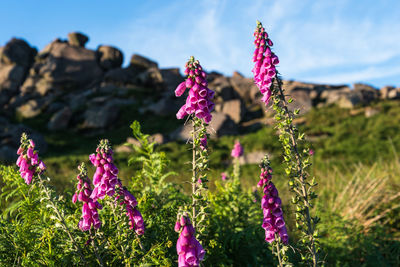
x=190 y=251
x=273 y=221
x=199 y=99
x=90 y=207
x=135 y=217
x=105 y=178
x=237 y=150
x=28 y=160
x=223 y=176
x=265 y=61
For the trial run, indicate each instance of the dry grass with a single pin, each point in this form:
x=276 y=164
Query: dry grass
x=364 y=194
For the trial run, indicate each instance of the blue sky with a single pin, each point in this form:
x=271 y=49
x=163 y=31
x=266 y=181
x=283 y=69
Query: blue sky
x=317 y=41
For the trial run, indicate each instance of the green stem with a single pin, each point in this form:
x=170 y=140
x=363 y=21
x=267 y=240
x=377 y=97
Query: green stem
x=194 y=176
x=301 y=175
x=99 y=260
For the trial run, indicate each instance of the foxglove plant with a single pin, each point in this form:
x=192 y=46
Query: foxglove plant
x=273 y=222
x=90 y=207
x=236 y=153
x=105 y=177
x=198 y=106
x=28 y=160
x=296 y=161
x=32 y=171
x=127 y=200
x=106 y=182
x=190 y=251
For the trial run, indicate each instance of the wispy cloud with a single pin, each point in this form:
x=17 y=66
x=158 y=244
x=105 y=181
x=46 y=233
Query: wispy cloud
x=311 y=37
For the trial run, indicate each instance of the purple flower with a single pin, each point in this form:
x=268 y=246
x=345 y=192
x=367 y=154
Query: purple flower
x=190 y=251
x=199 y=100
x=273 y=221
x=105 y=178
x=90 y=215
x=223 y=176
x=264 y=63
x=28 y=160
x=135 y=217
x=237 y=150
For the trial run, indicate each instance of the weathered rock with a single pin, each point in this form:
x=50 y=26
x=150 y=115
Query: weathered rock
x=245 y=87
x=223 y=89
x=302 y=101
x=17 y=52
x=394 y=94
x=60 y=120
x=384 y=92
x=10 y=135
x=77 y=39
x=121 y=76
x=141 y=62
x=109 y=57
x=11 y=77
x=235 y=109
x=100 y=116
x=150 y=78
x=350 y=100
x=368 y=93
x=64 y=67
x=171 y=79
x=30 y=109
x=103 y=112
x=332 y=96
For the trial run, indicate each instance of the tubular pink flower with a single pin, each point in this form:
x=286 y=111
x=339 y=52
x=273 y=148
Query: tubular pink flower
x=189 y=249
x=199 y=101
x=264 y=63
x=90 y=215
x=105 y=177
x=127 y=200
x=28 y=161
x=273 y=221
x=237 y=150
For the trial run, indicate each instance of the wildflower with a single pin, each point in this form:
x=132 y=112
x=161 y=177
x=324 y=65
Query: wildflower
x=90 y=215
x=135 y=217
x=273 y=221
x=28 y=160
x=311 y=152
x=265 y=61
x=223 y=176
x=237 y=150
x=190 y=251
x=203 y=143
x=199 y=100
x=105 y=178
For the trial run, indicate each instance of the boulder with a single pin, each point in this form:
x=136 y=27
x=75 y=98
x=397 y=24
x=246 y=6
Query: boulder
x=245 y=87
x=235 y=109
x=301 y=100
x=394 y=94
x=150 y=78
x=350 y=100
x=384 y=92
x=109 y=57
x=77 y=39
x=367 y=92
x=370 y=112
x=63 y=67
x=11 y=77
x=30 y=109
x=223 y=89
x=10 y=135
x=171 y=78
x=17 y=52
x=121 y=76
x=60 y=120
x=141 y=62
